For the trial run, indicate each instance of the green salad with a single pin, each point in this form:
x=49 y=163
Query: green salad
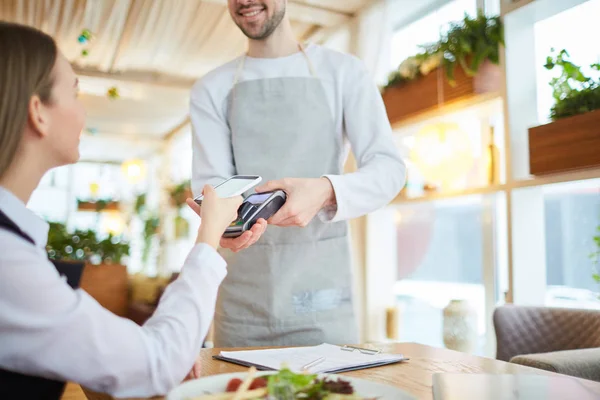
x=287 y=385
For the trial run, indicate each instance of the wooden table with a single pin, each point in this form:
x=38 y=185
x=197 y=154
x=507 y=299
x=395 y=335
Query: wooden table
x=414 y=376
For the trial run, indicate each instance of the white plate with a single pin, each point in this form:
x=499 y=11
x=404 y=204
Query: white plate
x=218 y=383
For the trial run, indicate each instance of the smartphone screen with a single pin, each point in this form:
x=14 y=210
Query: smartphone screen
x=234 y=186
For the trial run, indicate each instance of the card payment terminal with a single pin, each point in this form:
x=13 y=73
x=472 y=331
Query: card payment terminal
x=254 y=207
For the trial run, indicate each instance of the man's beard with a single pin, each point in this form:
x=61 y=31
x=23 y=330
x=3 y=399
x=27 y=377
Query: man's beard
x=268 y=28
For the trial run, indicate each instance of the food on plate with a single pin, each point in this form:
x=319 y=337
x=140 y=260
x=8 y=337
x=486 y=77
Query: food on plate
x=285 y=385
x=257 y=383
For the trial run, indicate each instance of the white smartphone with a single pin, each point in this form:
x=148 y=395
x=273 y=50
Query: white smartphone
x=234 y=186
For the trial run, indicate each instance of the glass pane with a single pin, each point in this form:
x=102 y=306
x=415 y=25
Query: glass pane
x=181 y=157
x=441 y=249
x=50 y=200
x=572 y=217
x=452 y=152
x=56 y=178
x=582 y=47
x=50 y=203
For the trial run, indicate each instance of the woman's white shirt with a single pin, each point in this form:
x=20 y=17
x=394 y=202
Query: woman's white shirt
x=48 y=329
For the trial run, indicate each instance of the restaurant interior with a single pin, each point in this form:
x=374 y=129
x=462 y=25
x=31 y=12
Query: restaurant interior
x=486 y=261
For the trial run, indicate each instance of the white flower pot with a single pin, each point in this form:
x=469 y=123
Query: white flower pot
x=460 y=326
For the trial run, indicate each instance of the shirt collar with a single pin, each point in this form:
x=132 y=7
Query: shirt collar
x=27 y=220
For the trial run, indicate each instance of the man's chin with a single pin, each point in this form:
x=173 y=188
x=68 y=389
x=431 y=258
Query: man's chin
x=254 y=34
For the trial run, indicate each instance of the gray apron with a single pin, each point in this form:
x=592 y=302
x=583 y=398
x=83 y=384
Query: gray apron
x=294 y=286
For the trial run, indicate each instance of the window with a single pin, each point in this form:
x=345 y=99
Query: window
x=581 y=45
x=51 y=199
x=439 y=162
x=441 y=255
x=572 y=213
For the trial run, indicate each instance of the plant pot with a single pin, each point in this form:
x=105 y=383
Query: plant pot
x=460 y=326
x=95 y=207
x=566 y=144
x=108 y=284
x=421 y=95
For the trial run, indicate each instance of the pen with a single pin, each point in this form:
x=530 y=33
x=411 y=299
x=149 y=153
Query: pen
x=313 y=363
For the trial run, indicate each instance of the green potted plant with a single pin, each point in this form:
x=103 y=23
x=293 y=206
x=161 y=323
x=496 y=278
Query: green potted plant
x=151 y=223
x=84 y=245
x=574 y=93
x=105 y=276
x=179 y=194
x=468 y=53
x=571 y=141
x=467 y=44
x=151 y=226
x=97 y=205
x=140 y=204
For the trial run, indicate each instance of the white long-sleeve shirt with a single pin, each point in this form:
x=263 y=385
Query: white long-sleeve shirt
x=356 y=107
x=50 y=330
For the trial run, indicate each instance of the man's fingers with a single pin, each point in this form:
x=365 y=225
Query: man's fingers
x=270 y=186
x=252 y=241
x=293 y=220
x=247 y=239
x=263 y=224
x=257 y=230
x=286 y=222
x=284 y=213
x=232 y=243
x=235 y=244
x=259 y=226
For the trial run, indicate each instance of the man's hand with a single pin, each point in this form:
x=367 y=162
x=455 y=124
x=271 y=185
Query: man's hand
x=242 y=242
x=305 y=198
x=247 y=239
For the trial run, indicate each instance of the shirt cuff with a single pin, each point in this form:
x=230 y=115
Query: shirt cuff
x=336 y=212
x=204 y=256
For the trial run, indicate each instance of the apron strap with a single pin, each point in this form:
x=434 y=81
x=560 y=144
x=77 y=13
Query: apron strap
x=311 y=68
x=238 y=72
x=242 y=62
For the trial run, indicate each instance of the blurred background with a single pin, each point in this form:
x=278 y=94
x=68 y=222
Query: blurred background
x=474 y=90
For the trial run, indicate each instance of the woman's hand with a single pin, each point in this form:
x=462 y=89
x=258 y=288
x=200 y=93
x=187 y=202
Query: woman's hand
x=195 y=371
x=216 y=215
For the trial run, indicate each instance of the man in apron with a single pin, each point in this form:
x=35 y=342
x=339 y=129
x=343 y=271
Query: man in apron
x=288 y=113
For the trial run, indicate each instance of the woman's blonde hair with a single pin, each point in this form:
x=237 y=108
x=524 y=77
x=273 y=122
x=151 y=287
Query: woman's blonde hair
x=27 y=58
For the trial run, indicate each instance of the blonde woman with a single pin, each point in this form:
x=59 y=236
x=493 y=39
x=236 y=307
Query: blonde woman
x=49 y=332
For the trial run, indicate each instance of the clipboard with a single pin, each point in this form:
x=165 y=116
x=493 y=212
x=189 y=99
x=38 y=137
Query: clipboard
x=336 y=359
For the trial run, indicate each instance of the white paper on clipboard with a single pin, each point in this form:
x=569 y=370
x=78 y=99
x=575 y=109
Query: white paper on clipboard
x=334 y=358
